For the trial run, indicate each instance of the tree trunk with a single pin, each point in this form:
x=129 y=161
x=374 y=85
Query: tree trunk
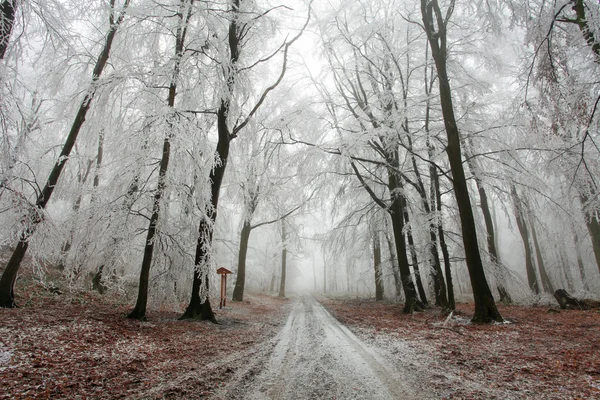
x=565 y=300
x=397 y=215
x=415 y=262
x=238 y=291
x=531 y=278
x=567 y=269
x=394 y=262
x=200 y=307
x=97 y=281
x=377 y=267
x=580 y=262
x=139 y=311
x=546 y=283
x=442 y=238
x=439 y=286
x=273 y=280
x=283 y=260
x=485 y=306
x=10 y=273
x=491 y=234
x=582 y=21
x=8 y=9
x=591 y=221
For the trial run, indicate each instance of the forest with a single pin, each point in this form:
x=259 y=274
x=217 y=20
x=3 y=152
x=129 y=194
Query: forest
x=425 y=154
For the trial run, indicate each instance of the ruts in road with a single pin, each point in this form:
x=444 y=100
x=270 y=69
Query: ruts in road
x=316 y=357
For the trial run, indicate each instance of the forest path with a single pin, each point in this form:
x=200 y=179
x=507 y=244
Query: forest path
x=315 y=356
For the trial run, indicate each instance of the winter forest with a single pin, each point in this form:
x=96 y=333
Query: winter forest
x=423 y=152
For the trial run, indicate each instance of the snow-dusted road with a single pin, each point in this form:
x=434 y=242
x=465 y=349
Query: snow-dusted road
x=316 y=357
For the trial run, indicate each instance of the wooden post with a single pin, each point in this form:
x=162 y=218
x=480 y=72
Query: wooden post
x=223 y=272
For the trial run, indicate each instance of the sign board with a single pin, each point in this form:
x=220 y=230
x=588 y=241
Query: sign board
x=223 y=272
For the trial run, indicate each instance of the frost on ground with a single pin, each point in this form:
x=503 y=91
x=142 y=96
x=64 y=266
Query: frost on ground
x=316 y=357
x=539 y=355
x=80 y=345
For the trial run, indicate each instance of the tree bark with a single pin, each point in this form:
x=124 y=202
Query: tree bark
x=10 y=273
x=415 y=262
x=490 y=234
x=200 y=307
x=439 y=286
x=580 y=262
x=394 y=262
x=546 y=283
x=521 y=224
x=377 y=267
x=442 y=238
x=485 y=306
x=238 y=291
x=581 y=19
x=593 y=226
x=139 y=311
x=397 y=215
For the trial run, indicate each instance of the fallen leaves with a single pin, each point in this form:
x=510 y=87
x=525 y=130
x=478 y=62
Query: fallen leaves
x=539 y=355
x=57 y=347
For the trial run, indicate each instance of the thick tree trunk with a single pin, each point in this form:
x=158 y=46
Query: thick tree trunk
x=200 y=307
x=529 y=268
x=485 y=306
x=10 y=273
x=240 y=280
x=283 y=260
x=377 y=268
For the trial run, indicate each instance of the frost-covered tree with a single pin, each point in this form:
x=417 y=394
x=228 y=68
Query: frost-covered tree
x=244 y=18
x=36 y=213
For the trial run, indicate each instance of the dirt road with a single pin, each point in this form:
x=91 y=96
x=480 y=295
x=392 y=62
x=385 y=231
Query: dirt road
x=316 y=357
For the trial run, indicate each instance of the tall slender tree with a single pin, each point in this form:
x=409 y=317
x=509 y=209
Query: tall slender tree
x=239 y=25
x=183 y=16
x=9 y=276
x=435 y=24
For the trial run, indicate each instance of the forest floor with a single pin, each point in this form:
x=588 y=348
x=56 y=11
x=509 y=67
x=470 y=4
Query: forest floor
x=79 y=345
x=539 y=353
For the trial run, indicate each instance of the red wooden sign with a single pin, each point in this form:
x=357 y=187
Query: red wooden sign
x=223 y=272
